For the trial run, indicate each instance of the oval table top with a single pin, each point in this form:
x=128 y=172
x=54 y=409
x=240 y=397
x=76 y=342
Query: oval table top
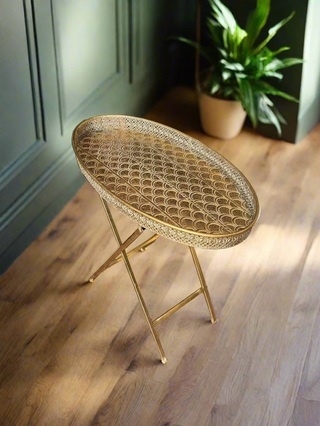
x=166 y=181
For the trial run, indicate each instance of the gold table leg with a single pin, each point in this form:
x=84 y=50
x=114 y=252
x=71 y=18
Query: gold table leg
x=114 y=256
x=121 y=254
x=141 y=247
x=178 y=306
x=203 y=284
x=134 y=282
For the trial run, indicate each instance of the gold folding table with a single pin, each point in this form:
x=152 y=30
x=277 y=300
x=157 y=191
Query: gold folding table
x=168 y=183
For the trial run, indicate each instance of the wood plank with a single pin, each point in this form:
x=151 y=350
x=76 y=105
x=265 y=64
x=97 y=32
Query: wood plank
x=33 y=336
x=59 y=388
x=307 y=406
x=306 y=413
x=127 y=343
x=287 y=372
x=129 y=403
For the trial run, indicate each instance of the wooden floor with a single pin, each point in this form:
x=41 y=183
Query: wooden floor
x=74 y=354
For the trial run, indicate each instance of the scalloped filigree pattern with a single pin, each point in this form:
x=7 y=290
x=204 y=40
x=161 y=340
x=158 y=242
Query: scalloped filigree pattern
x=167 y=180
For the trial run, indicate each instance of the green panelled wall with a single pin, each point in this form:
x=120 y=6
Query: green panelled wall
x=61 y=62
x=309 y=111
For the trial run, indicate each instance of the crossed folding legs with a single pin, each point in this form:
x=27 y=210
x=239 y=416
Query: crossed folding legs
x=121 y=254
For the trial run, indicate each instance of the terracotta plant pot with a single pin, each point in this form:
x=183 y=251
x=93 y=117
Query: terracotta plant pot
x=220 y=118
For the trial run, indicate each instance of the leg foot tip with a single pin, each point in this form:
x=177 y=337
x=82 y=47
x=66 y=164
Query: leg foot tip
x=164 y=360
x=214 y=321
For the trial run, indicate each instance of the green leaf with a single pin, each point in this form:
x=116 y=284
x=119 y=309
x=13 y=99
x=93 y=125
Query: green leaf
x=223 y=52
x=273 y=74
x=240 y=34
x=202 y=50
x=249 y=100
x=247 y=61
x=215 y=31
x=215 y=87
x=234 y=41
x=289 y=62
x=267 y=100
x=241 y=75
x=256 y=21
x=282 y=49
x=226 y=75
x=267 y=88
x=225 y=39
x=229 y=93
x=274 y=65
x=279 y=116
x=284 y=95
x=266 y=115
x=223 y=15
x=277 y=64
x=234 y=66
x=272 y=32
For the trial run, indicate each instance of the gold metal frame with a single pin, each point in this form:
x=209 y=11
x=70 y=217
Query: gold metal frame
x=121 y=254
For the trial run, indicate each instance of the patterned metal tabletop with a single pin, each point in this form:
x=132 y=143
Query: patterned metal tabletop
x=166 y=181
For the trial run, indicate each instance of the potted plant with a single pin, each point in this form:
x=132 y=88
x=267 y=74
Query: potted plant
x=236 y=81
